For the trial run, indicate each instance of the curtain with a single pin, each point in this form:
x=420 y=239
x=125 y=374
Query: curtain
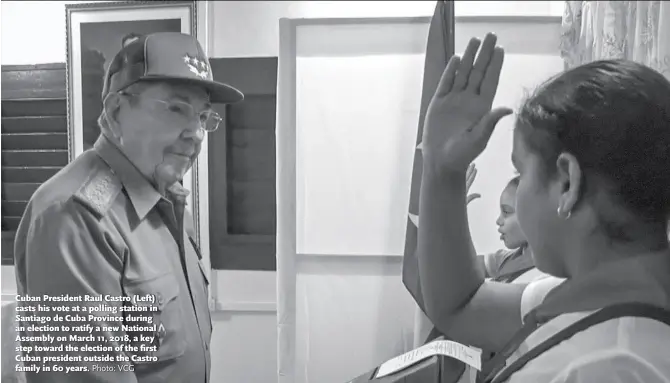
x=633 y=30
x=439 y=49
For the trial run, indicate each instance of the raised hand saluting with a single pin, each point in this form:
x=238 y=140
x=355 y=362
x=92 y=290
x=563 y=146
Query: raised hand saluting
x=459 y=121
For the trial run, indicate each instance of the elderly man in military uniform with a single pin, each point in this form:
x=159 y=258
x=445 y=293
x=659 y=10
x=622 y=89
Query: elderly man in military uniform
x=105 y=244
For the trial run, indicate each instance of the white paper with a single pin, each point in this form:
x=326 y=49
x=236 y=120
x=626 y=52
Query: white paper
x=468 y=355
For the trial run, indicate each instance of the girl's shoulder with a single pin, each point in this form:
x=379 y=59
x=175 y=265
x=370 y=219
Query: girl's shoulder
x=495 y=260
x=538 y=288
x=621 y=350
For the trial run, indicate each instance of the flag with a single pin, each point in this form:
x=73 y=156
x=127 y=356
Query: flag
x=439 y=49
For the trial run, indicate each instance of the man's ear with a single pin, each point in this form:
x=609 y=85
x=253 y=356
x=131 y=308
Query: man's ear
x=111 y=107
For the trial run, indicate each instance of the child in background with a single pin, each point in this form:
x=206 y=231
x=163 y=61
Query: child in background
x=506 y=265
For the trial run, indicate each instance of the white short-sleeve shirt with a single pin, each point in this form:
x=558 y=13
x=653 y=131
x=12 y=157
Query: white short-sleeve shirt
x=624 y=350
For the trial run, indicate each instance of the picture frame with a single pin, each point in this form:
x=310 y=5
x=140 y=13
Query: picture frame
x=95 y=32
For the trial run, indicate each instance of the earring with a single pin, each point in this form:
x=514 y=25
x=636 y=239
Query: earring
x=558 y=211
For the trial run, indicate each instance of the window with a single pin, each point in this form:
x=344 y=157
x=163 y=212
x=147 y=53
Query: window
x=242 y=196
x=34 y=138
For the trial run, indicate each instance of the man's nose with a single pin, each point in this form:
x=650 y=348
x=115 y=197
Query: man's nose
x=195 y=132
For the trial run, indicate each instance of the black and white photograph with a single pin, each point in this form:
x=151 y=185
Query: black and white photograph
x=335 y=191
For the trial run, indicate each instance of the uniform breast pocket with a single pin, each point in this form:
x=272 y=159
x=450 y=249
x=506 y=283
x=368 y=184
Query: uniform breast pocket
x=154 y=320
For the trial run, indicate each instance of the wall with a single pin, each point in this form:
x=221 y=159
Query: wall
x=254 y=30
x=244 y=344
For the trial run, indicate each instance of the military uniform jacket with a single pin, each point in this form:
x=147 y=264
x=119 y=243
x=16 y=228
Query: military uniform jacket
x=99 y=229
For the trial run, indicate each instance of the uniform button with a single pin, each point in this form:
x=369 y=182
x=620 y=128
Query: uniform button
x=159 y=298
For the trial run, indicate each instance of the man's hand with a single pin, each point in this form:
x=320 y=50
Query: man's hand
x=459 y=121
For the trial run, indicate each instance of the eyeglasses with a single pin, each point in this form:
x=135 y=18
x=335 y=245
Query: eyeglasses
x=209 y=120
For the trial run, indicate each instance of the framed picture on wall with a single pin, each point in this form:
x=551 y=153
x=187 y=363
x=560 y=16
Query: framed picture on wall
x=95 y=33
